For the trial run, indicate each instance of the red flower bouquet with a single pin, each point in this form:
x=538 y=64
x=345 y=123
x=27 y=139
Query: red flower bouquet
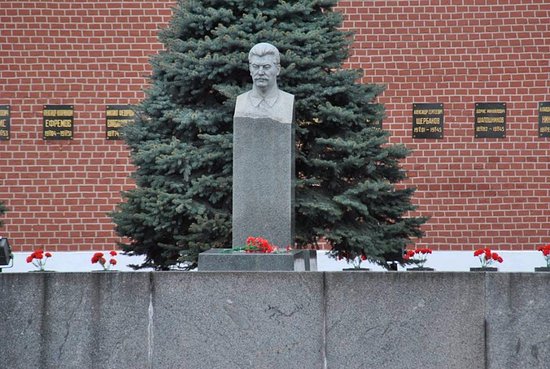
x=99 y=258
x=39 y=258
x=487 y=257
x=546 y=253
x=259 y=245
x=417 y=256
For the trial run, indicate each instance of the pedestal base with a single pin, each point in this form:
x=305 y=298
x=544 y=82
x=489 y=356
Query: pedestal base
x=228 y=260
x=484 y=269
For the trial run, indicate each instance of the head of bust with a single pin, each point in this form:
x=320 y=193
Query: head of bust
x=264 y=65
x=263 y=49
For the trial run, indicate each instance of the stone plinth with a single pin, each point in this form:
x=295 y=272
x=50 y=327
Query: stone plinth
x=517 y=320
x=228 y=260
x=230 y=320
x=263 y=181
x=75 y=320
x=405 y=320
x=250 y=320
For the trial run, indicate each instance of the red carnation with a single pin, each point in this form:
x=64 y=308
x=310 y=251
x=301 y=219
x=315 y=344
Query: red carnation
x=37 y=258
x=113 y=253
x=112 y=262
x=546 y=253
x=97 y=257
x=257 y=244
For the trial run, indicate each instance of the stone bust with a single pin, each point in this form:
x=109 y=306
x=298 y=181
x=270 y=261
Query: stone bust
x=265 y=100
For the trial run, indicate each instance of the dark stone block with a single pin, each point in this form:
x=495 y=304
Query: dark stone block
x=310 y=257
x=484 y=269
x=228 y=260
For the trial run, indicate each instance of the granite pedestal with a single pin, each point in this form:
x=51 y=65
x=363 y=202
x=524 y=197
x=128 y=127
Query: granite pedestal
x=263 y=181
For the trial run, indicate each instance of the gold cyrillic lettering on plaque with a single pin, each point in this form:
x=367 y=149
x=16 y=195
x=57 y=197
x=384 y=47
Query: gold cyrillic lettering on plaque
x=490 y=120
x=117 y=116
x=5 y=117
x=58 y=122
x=544 y=119
x=428 y=120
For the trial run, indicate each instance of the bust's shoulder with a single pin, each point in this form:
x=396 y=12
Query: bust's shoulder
x=285 y=98
x=285 y=95
x=243 y=95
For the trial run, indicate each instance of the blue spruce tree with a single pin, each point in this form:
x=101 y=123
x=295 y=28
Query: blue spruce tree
x=181 y=143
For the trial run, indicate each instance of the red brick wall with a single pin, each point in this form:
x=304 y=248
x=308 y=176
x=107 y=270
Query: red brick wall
x=478 y=192
x=92 y=53
x=89 y=54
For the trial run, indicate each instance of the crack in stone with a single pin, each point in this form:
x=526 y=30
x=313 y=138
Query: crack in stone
x=68 y=328
x=276 y=312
